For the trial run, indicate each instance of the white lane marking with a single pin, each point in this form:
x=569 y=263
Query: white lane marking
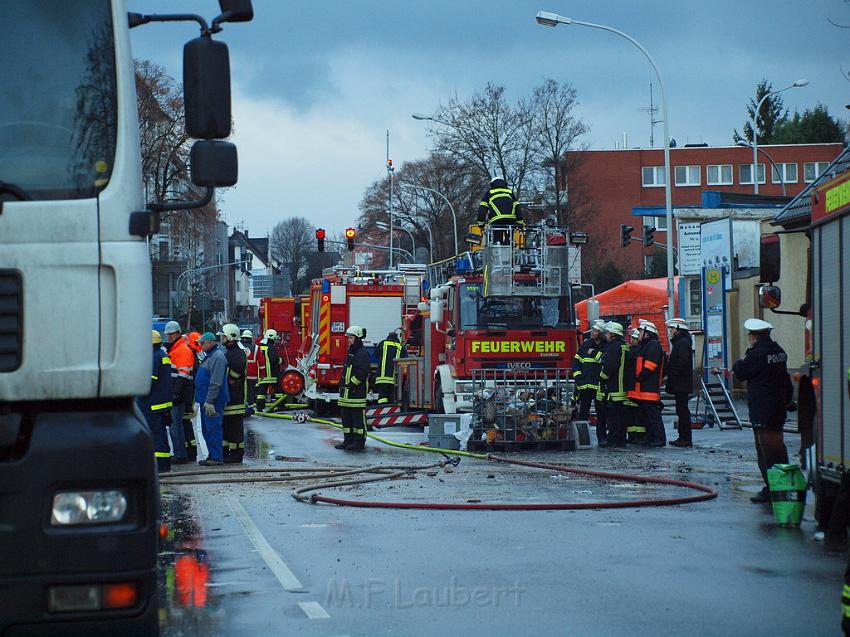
x=277 y=566
x=313 y=610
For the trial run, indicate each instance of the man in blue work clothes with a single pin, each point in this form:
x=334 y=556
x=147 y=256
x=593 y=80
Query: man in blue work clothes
x=211 y=393
x=156 y=406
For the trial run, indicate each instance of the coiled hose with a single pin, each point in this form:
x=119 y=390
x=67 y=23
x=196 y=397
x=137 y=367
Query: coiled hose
x=706 y=492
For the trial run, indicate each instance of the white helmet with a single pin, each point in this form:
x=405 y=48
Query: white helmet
x=496 y=178
x=635 y=333
x=172 y=327
x=614 y=328
x=677 y=324
x=270 y=334
x=247 y=334
x=231 y=332
x=649 y=326
x=757 y=325
x=598 y=324
x=356 y=330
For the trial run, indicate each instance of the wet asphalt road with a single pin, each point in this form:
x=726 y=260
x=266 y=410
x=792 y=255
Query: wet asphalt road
x=265 y=564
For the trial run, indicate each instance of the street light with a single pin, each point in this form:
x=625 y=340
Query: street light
x=755 y=171
x=446 y=199
x=381 y=224
x=745 y=144
x=552 y=20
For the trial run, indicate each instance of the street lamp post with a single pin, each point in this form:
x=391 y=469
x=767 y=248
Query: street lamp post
x=744 y=144
x=381 y=224
x=552 y=20
x=755 y=171
x=438 y=193
x=202 y=269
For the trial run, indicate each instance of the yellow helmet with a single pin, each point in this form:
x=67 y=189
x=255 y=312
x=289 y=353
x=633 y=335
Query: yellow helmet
x=156 y=337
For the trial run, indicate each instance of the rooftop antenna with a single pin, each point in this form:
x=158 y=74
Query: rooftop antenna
x=652 y=110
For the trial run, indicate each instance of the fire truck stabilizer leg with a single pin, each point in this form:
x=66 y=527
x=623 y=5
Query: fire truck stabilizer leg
x=835 y=538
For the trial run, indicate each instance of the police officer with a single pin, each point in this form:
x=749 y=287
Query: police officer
x=586 y=366
x=211 y=392
x=156 y=406
x=649 y=369
x=614 y=377
x=769 y=391
x=680 y=377
x=390 y=349
x=353 y=389
x=267 y=382
x=498 y=208
x=234 y=411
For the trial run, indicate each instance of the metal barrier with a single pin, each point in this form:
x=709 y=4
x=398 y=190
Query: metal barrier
x=521 y=408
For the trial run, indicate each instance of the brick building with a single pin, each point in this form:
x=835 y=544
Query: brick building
x=608 y=185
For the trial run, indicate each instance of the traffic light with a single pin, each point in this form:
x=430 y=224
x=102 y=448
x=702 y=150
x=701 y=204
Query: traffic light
x=350 y=233
x=647 y=236
x=625 y=235
x=320 y=239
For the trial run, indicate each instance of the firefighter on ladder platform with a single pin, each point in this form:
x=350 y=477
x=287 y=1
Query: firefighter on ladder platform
x=498 y=208
x=391 y=350
x=234 y=411
x=353 y=389
x=586 y=366
x=156 y=406
x=267 y=383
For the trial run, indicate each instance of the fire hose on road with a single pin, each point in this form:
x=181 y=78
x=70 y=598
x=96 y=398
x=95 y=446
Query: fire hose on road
x=706 y=492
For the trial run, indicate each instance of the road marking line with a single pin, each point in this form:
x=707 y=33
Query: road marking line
x=313 y=610
x=281 y=571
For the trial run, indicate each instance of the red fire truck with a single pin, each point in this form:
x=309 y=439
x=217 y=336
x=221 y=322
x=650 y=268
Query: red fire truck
x=285 y=315
x=345 y=296
x=507 y=308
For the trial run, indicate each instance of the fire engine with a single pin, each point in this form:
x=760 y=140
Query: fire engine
x=285 y=315
x=506 y=307
x=344 y=296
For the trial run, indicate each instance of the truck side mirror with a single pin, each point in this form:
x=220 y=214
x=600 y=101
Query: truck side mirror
x=234 y=11
x=770 y=297
x=214 y=164
x=437 y=311
x=206 y=88
x=592 y=310
x=770 y=259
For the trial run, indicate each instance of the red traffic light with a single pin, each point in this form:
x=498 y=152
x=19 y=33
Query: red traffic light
x=320 y=233
x=349 y=233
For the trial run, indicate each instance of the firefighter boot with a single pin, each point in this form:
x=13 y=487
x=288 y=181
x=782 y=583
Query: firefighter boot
x=346 y=442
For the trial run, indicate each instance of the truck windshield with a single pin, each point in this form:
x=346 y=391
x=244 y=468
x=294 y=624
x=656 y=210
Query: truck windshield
x=57 y=99
x=477 y=312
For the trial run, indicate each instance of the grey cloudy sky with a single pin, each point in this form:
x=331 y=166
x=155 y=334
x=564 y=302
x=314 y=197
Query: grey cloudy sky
x=317 y=84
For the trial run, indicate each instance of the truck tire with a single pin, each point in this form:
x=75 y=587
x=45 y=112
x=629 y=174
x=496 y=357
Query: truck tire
x=437 y=404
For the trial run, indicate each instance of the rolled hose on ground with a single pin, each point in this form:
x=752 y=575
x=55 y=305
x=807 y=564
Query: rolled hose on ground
x=707 y=493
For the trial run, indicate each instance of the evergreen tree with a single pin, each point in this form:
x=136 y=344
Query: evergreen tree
x=771 y=114
x=814 y=126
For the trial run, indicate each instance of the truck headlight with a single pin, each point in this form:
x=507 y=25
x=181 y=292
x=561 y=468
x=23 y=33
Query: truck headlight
x=88 y=507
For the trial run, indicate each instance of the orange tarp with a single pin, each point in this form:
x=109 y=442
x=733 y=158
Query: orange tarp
x=631 y=301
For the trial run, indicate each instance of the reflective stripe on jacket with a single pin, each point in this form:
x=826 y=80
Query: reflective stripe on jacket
x=390 y=351
x=649 y=368
x=354 y=385
x=587 y=363
x=159 y=398
x=613 y=374
x=499 y=206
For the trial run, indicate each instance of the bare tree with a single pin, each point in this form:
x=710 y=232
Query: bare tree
x=422 y=212
x=557 y=131
x=290 y=242
x=488 y=132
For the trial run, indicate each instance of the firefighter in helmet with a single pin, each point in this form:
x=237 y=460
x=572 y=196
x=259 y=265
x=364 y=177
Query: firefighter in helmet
x=234 y=411
x=267 y=382
x=156 y=406
x=256 y=368
x=390 y=349
x=353 y=389
x=499 y=208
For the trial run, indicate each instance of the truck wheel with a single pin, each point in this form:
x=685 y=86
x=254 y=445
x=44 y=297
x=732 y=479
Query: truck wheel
x=825 y=494
x=437 y=403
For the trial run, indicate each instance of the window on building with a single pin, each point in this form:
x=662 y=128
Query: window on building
x=745 y=174
x=237 y=285
x=659 y=223
x=687 y=175
x=163 y=251
x=718 y=174
x=784 y=173
x=813 y=169
x=694 y=297
x=652 y=176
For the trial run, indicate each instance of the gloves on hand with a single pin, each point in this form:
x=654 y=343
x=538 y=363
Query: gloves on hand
x=209 y=409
